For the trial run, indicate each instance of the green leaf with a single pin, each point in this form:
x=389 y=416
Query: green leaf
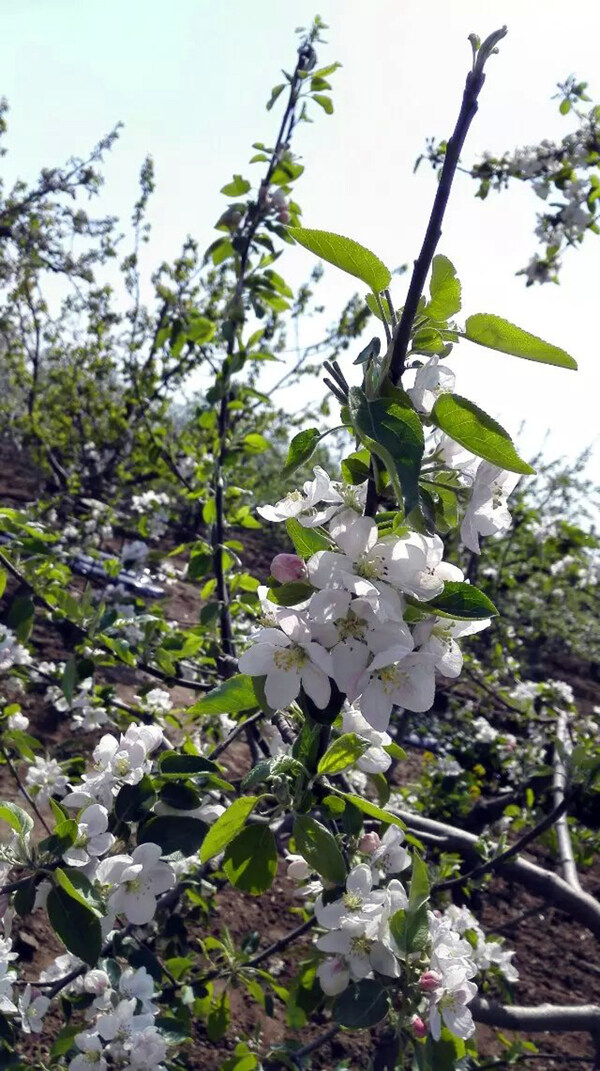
x=443 y=1054
x=468 y=425
x=64 y=1041
x=419 y=884
x=301 y=448
x=372 y=810
x=444 y=288
x=20 y=617
x=16 y=817
x=250 y=861
x=176 y=762
x=227 y=826
x=275 y=92
x=237 y=187
x=230 y=697
x=498 y=334
x=307 y=541
x=346 y=254
x=342 y=753
x=320 y=849
x=325 y=102
x=200 y=330
x=76 y=924
x=461 y=601
x=174 y=833
x=255 y=443
x=133 y=801
x=361 y=1005
x=393 y=431
x=290 y=594
x=78 y=887
x=69 y=679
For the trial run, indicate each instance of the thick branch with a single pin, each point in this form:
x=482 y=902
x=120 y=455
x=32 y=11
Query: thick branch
x=559 y=787
x=541 y=1017
x=548 y=886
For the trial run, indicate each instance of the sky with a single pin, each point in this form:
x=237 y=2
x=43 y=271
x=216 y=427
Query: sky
x=190 y=80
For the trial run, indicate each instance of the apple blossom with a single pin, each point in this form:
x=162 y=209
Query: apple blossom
x=487 y=512
x=289 y=662
x=286 y=568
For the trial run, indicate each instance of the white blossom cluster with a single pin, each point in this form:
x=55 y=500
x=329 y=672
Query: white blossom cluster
x=352 y=628
x=153 y=506
x=87 y=715
x=12 y=653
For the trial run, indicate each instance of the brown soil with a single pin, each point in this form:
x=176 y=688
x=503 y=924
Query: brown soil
x=557 y=958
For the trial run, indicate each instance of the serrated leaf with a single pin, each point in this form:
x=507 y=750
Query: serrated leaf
x=444 y=289
x=478 y=432
x=227 y=826
x=497 y=334
x=301 y=448
x=16 y=817
x=250 y=861
x=320 y=849
x=230 y=697
x=346 y=254
x=361 y=1005
x=343 y=753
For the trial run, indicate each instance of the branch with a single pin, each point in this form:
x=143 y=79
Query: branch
x=559 y=786
x=468 y=110
x=541 y=1017
x=543 y=883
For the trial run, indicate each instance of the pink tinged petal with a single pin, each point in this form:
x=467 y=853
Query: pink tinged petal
x=282 y=687
x=317 y=686
x=333 y=976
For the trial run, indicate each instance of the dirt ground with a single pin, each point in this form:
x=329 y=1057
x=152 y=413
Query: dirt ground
x=557 y=959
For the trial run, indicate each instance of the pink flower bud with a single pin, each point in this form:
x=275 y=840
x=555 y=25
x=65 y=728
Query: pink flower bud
x=419 y=1028
x=369 y=843
x=429 y=981
x=283 y=216
x=286 y=567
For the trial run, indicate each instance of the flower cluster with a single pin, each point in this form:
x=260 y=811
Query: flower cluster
x=352 y=628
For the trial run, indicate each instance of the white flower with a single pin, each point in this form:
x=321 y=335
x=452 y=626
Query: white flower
x=437 y=636
x=289 y=661
x=32 y=1012
x=487 y=512
x=12 y=653
x=409 y=683
x=90 y=1057
x=333 y=975
x=431 y=380
x=390 y=857
x=418 y=566
x=139 y=878
x=448 y=1003
x=359 y=902
x=121 y=1024
x=157 y=701
x=298 y=869
x=146 y=1050
x=18 y=721
x=303 y=506
x=92 y=836
x=136 y=982
x=47 y=778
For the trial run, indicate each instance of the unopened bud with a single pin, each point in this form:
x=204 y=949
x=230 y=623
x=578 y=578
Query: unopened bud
x=283 y=216
x=288 y=567
x=429 y=981
x=419 y=1028
x=369 y=843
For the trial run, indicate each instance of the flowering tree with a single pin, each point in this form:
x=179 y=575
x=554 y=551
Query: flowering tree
x=321 y=670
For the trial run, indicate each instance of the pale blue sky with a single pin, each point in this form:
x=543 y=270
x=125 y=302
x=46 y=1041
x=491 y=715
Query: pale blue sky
x=190 y=79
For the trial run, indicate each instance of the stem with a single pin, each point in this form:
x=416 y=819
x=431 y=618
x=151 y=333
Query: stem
x=24 y=791
x=468 y=110
x=559 y=787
